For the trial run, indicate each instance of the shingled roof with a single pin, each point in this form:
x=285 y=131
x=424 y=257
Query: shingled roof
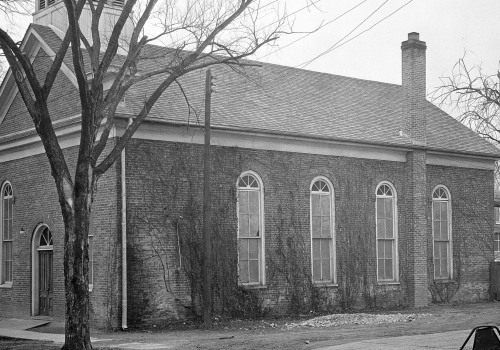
x=290 y=101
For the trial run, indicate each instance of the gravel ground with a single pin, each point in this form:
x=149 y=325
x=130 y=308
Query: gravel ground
x=355 y=319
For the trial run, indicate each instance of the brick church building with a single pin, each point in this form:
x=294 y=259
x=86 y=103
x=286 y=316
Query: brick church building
x=329 y=193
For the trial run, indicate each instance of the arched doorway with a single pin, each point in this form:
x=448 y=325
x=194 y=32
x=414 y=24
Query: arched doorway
x=42 y=276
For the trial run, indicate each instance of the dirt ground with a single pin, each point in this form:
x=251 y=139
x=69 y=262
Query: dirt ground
x=273 y=334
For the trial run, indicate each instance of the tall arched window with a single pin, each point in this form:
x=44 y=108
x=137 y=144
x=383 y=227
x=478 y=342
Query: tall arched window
x=6 y=258
x=251 y=259
x=441 y=233
x=387 y=233
x=322 y=231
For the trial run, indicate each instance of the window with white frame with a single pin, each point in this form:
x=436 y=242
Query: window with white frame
x=497 y=246
x=441 y=233
x=387 y=233
x=322 y=231
x=6 y=255
x=250 y=229
x=91 y=262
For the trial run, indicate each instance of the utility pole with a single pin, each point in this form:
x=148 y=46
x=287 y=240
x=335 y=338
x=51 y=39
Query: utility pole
x=207 y=243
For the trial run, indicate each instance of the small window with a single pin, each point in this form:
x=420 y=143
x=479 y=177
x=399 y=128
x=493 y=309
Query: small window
x=250 y=229
x=322 y=231
x=91 y=263
x=6 y=253
x=387 y=233
x=41 y=5
x=497 y=246
x=441 y=233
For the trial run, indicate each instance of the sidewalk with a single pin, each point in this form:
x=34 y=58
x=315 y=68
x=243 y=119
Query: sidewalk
x=19 y=328
x=447 y=340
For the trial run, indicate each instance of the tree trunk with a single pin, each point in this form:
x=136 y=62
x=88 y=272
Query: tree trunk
x=76 y=222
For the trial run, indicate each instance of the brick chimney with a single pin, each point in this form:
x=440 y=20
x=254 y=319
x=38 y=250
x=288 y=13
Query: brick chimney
x=414 y=118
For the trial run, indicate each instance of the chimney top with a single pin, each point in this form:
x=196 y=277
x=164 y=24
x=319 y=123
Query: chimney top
x=413 y=42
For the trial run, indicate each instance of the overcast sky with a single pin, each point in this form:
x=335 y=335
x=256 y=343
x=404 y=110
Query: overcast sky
x=449 y=27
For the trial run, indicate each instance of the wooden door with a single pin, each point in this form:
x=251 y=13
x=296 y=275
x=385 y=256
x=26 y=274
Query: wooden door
x=45 y=283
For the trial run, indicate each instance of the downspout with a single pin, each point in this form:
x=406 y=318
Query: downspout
x=124 y=237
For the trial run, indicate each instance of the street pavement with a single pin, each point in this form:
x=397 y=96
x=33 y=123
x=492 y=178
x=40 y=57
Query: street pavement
x=19 y=328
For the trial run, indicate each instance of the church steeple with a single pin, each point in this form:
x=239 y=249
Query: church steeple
x=53 y=13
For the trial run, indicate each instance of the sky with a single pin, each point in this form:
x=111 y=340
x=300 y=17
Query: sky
x=451 y=29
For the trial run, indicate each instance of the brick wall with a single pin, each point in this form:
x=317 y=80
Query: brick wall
x=36 y=202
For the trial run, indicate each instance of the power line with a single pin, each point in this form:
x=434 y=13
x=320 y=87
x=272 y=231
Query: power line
x=320 y=27
x=305 y=64
x=364 y=31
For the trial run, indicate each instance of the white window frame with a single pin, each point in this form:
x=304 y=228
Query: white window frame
x=450 y=234
x=395 y=247
x=333 y=256
x=496 y=245
x=3 y=283
x=91 y=261
x=262 y=257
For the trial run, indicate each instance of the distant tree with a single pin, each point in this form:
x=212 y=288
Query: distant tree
x=200 y=33
x=474 y=98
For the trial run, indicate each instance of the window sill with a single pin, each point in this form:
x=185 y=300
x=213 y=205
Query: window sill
x=325 y=284
x=444 y=281
x=388 y=283
x=253 y=286
x=7 y=285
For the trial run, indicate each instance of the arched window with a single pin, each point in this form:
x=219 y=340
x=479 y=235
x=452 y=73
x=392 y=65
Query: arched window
x=6 y=254
x=387 y=233
x=322 y=231
x=441 y=233
x=250 y=229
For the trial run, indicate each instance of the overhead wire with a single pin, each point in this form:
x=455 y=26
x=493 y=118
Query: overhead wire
x=315 y=31
x=337 y=45
x=305 y=64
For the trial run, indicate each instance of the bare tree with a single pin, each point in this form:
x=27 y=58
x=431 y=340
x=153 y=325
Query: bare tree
x=200 y=33
x=474 y=97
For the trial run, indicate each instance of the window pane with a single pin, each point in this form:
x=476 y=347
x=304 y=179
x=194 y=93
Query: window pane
x=9 y=232
x=325 y=205
x=497 y=214
x=253 y=202
x=325 y=249
x=315 y=209
x=380 y=249
x=381 y=228
x=253 y=248
x=243 y=249
x=389 y=230
x=380 y=208
x=316 y=226
x=437 y=229
x=254 y=225
x=444 y=210
x=243 y=202
x=244 y=229
x=253 y=267
x=243 y=273
x=91 y=260
x=443 y=250
x=325 y=226
x=8 y=250
x=388 y=207
x=435 y=211
x=381 y=269
x=388 y=269
x=316 y=248
x=437 y=268
x=325 y=270
x=388 y=249
x=444 y=230
x=317 y=270
x=444 y=268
